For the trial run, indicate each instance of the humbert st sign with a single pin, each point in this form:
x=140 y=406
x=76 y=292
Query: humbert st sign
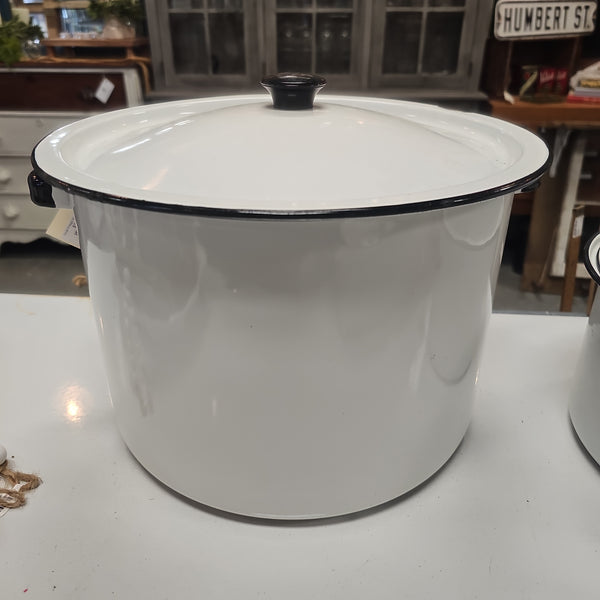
x=522 y=19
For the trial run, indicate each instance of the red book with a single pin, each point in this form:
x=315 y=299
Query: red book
x=583 y=99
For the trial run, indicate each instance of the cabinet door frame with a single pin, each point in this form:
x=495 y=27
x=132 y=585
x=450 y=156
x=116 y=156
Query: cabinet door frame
x=165 y=73
x=474 y=33
x=353 y=79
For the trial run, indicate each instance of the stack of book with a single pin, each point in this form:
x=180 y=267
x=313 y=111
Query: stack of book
x=587 y=90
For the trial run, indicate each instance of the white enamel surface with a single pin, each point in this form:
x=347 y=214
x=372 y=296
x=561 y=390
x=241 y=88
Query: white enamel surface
x=584 y=406
x=296 y=368
x=292 y=369
x=240 y=153
x=513 y=515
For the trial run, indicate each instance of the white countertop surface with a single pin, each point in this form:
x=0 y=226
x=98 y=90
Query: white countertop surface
x=514 y=514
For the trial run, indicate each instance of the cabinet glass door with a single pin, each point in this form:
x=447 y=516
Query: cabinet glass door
x=207 y=40
x=422 y=41
x=313 y=36
x=355 y=44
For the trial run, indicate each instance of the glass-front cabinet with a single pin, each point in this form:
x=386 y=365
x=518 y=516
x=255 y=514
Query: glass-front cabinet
x=355 y=44
x=203 y=41
x=314 y=36
x=423 y=42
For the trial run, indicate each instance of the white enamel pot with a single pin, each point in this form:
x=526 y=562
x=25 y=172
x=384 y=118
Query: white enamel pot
x=291 y=300
x=584 y=405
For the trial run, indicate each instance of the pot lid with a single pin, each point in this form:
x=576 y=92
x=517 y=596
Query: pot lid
x=241 y=155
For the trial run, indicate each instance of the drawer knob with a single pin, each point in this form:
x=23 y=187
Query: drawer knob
x=11 y=212
x=4 y=175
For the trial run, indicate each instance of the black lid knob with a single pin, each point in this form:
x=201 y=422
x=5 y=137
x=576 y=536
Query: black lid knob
x=293 y=91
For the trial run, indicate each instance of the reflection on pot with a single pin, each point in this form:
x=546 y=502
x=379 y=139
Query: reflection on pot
x=471 y=245
x=151 y=301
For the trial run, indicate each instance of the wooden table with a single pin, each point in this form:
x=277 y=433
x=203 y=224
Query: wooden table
x=514 y=514
x=536 y=115
x=553 y=203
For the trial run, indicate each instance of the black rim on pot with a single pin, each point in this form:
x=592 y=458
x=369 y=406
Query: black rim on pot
x=41 y=184
x=289 y=91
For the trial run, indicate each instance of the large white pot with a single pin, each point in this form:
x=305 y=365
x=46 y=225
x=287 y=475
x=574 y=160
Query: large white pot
x=584 y=404
x=291 y=303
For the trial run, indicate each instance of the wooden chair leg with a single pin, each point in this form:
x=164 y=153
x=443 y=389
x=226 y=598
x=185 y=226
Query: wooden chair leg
x=572 y=258
x=591 y=296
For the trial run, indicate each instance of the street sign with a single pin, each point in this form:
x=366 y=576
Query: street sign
x=524 y=19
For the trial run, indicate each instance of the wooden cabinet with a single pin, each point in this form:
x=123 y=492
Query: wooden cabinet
x=20 y=219
x=33 y=103
x=42 y=89
x=504 y=61
x=355 y=44
x=565 y=126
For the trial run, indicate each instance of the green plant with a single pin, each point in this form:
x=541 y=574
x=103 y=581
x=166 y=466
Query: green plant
x=130 y=10
x=13 y=34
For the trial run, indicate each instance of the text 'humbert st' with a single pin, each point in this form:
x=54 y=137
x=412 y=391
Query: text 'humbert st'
x=546 y=18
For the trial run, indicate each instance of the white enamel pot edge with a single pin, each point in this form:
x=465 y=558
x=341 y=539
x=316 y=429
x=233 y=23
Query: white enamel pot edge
x=584 y=405
x=526 y=157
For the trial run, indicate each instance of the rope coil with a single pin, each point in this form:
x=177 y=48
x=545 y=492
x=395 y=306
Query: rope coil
x=14 y=485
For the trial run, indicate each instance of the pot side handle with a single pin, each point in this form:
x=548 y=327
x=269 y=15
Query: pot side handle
x=40 y=191
x=591 y=257
x=531 y=187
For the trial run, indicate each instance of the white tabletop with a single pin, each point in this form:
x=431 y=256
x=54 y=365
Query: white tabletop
x=514 y=514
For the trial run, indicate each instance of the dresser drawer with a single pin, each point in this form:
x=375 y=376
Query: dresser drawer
x=19 y=133
x=19 y=212
x=13 y=174
x=61 y=89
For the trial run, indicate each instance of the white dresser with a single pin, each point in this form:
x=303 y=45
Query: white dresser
x=26 y=116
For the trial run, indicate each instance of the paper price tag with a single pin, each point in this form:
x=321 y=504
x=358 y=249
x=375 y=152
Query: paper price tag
x=578 y=226
x=15 y=488
x=64 y=227
x=105 y=89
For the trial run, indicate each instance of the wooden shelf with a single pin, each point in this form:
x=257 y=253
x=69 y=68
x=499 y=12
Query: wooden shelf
x=128 y=44
x=557 y=195
x=535 y=115
x=137 y=42
x=50 y=5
